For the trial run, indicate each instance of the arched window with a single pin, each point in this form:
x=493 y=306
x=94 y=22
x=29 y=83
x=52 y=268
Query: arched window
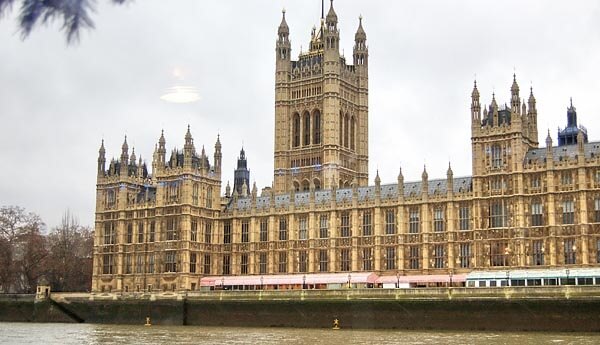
x=352 y=132
x=305 y=185
x=317 y=127
x=317 y=183
x=341 y=133
x=296 y=130
x=496 y=156
x=306 y=131
x=346 y=120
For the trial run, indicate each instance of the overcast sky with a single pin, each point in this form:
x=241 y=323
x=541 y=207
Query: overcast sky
x=57 y=102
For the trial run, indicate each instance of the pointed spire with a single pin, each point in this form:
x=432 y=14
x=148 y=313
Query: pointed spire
x=125 y=147
x=400 y=176
x=377 y=178
x=531 y=100
x=548 y=140
x=515 y=87
x=132 y=159
x=283 y=30
x=360 y=35
x=449 y=172
x=475 y=93
x=228 y=190
x=424 y=175
x=218 y=143
x=331 y=15
x=254 y=190
x=102 y=151
x=161 y=140
x=188 y=135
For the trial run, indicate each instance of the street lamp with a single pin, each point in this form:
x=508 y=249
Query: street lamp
x=567 y=272
x=304 y=281
x=349 y=282
x=451 y=278
x=507 y=278
x=397 y=279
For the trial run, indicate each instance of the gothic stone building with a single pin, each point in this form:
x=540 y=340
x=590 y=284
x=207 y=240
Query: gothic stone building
x=524 y=206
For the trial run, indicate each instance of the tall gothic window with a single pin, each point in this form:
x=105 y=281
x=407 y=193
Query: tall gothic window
x=244 y=264
x=302 y=228
x=317 y=127
x=414 y=222
x=341 y=132
x=172 y=229
x=367 y=256
x=345 y=225
x=537 y=253
x=345 y=258
x=537 y=214
x=464 y=217
x=323 y=226
x=352 y=132
x=245 y=230
x=438 y=219
x=296 y=130
x=283 y=229
x=194 y=231
x=283 y=256
x=498 y=214
x=227 y=232
x=464 y=255
x=170 y=261
x=568 y=212
x=346 y=123
x=439 y=254
x=414 y=257
x=597 y=210
x=306 y=129
x=390 y=221
x=264 y=229
x=208 y=232
x=303 y=261
x=390 y=258
x=206 y=263
x=323 y=260
x=262 y=263
x=499 y=253
x=570 y=251
x=496 y=156
x=226 y=264
x=367 y=226
x=193 y=259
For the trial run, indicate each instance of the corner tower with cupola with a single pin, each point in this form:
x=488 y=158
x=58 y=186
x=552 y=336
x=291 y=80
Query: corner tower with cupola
x=321 y=111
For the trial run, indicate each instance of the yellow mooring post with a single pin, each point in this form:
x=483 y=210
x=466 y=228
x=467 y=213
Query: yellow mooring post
x=147 y=321
x=336 y=324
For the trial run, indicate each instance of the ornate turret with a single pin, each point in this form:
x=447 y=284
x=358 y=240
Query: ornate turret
x=515 y=100
x=124 y=158
x=241 y=175
x=188 y=149
x=569 y=135
x=361 y=52
x=101 y=160
x=283 y=46
x=475 y=106
x=218 y=157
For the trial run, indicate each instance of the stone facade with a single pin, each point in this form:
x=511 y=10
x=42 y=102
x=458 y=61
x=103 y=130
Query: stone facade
x=523 y=206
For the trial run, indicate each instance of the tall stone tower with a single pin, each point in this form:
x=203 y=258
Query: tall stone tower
x=321 y=111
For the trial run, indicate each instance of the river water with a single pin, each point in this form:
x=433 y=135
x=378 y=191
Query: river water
x=36 y=333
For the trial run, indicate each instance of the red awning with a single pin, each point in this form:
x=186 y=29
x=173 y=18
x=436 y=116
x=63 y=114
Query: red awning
x=290 y=279
x=431 y=278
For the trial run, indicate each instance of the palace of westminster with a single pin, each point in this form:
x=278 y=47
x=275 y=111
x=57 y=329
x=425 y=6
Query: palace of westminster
x=524 y=206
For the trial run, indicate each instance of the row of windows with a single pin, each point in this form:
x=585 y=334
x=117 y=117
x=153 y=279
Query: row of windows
x=500 y=254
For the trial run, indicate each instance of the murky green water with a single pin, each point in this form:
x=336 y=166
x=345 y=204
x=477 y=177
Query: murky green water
x=32 y=333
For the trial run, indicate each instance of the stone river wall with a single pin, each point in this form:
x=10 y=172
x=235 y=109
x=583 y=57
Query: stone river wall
x=567 y=308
